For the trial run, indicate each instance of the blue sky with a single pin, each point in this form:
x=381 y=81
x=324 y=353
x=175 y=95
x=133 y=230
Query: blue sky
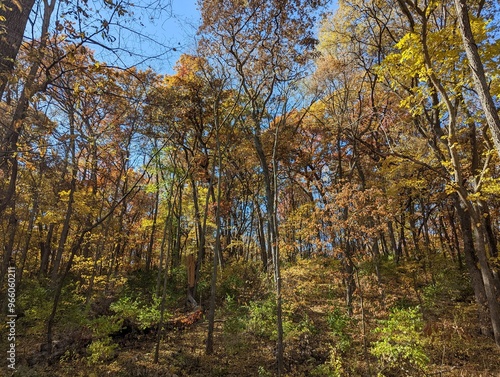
x=152 y=35
x=178 y=31
x=147 y=38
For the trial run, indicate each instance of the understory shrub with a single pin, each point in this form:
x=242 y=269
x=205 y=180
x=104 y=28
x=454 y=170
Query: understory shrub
x=400 y=350
x=338 y=323
x=137 y=311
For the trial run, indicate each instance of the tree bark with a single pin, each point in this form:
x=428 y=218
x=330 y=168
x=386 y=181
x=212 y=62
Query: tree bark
x=392 y=238
x=478 y=74
x=69 y=211
x=486 y=273
x=217 y=251
x=261 y=237
x=16 y=14
x=45 y=248
x=149 y=253
x=471 y=264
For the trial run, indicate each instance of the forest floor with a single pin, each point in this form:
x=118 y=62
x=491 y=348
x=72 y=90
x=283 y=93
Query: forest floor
x=320 y=338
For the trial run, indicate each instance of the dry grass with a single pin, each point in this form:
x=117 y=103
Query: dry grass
x=312 y=289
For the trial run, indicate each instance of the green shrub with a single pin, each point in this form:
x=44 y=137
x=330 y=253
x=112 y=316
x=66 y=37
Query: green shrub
x=262 y=318
x=237 y=317
x=449 y=284
x=101 y=350
x=338 y=323
x=143 y=314
x=36 y=300
x=332 y=367
x=36 y=311
x=240 y=280
x=401 y=348
x=261 y=321
x=404 y=303
x=305 y=326
x=262 y=372
x=105 y=325
x=102 y=347
x=141 y=282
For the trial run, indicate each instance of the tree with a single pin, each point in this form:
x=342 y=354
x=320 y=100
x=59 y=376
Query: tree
x=266 y=45
x=414 y=64
x=13 y=18
x=478 y=72
x=14 y=127
x=428 y=66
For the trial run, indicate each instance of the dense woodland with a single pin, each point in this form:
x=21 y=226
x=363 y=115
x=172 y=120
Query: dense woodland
x=311 y=193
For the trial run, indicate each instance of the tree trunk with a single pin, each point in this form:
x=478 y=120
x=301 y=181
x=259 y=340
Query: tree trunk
x=162 y=305
x=270 y=189
x=350 y=282
x=213 y=284
x=45 y=248
x=482 y=278
x=261 y=237
x=217 y=252
x=166 y=237
x=59 y=285
x=392 y=238
x=9 y=144
x=478 y=74
x=149 y=253
x=31 y=224
x=486 y=273
x=16 y=14
x=10 y=141
x=176 y=251
x=69 y=210
x=11 y=236
x=202 y=230
x=471 y=262
x=456 y=241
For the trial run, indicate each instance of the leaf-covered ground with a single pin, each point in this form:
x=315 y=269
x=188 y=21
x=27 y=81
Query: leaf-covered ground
x=405 y=323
